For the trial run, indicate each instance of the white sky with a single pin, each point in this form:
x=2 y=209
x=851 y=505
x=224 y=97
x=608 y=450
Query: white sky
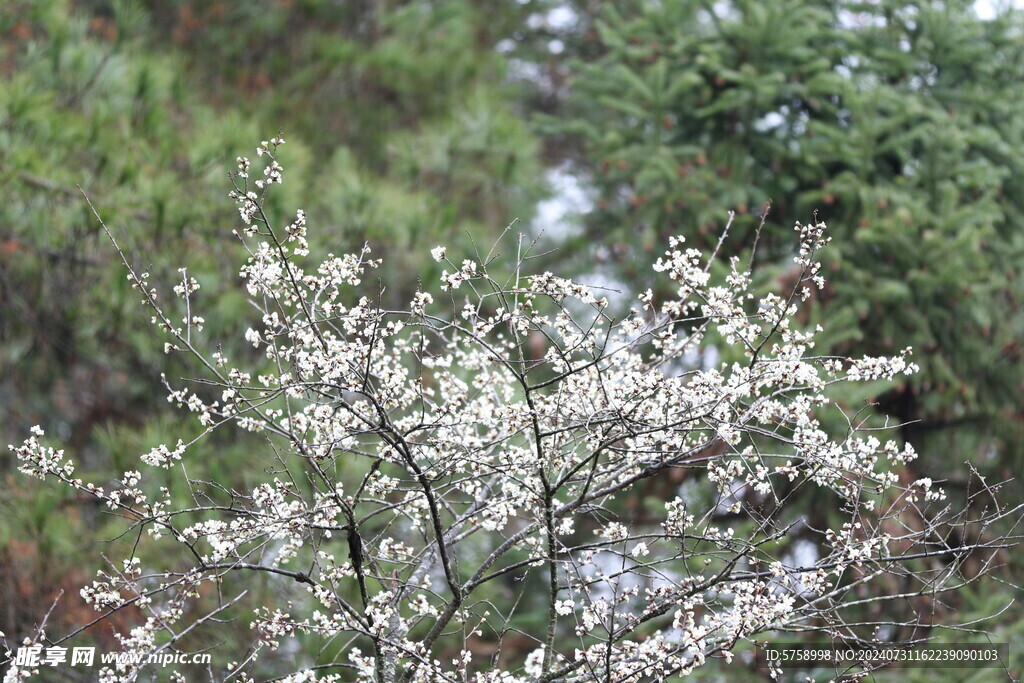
x=987 y=8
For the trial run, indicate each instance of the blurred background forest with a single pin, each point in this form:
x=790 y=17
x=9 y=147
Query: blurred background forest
x=600 y=128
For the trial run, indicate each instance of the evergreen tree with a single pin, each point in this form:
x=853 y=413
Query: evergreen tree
x=397 y=116
x=896 y=122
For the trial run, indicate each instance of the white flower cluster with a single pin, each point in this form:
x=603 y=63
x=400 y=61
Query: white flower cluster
x=38 y=460
x=187 y=286
x=455 y=280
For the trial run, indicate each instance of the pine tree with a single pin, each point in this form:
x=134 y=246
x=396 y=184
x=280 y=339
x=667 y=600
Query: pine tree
x=896 y=122
x=397 y=116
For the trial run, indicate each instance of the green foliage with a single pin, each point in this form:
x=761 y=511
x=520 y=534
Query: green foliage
x=401 y=116
x=399 y=119
x=895 y=121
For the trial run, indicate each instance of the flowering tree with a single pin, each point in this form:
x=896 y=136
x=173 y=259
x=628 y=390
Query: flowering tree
x=497 y=432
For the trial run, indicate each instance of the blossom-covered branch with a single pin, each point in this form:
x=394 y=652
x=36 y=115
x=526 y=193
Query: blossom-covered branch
x=433 y=464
